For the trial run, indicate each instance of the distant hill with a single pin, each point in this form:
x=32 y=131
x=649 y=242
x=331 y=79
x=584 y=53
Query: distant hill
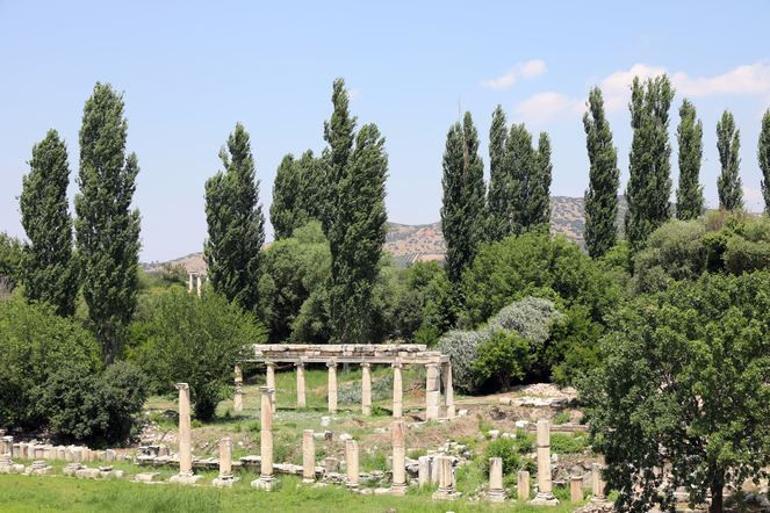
x=425 y=242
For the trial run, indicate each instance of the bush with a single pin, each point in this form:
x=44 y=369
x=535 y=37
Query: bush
x=510 y=450
x=461 y=347
x=503 y=357
x=181 y=338
x=563 y=443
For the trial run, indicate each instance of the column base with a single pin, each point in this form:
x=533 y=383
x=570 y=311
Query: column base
x=544 y=499
x=496 y=495
x=225 y=482
x=445 y=494
x=185 y=478
x=266 y=483
x=598 y=500
x=307 y=480
x=398 y=489
x=451 y=412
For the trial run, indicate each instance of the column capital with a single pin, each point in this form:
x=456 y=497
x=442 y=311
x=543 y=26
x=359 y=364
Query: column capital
x=398 y=364
x=433 y=365
x=300 y=363
x=182 y=386
x=366 y=365
x=331 y=363
x=270 y=363
x=267 y=390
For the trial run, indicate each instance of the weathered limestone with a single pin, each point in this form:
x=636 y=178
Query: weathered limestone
x=398 y=428
x=544 y=495
x=522 y=485
x=576 y=489
x=432 y=391
x=301 y=398
x=6 y=454
x=308 y=456
x=597 y=483
x=423 y=471
x=199 y=285
x=366 y=388
x=351 y=462
x=332 y=385
x=270 y=381
x=446 y=482
x=226 y=477
x=496 y=490
x=185 y=475
x=398 y=390
x=266 y=478
x=238 y=397
x=449 y=394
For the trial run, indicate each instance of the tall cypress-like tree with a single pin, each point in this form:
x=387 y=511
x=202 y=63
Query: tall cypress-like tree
x=498 y=223
x=50 y=274
x=521 y=165
x=462 y=210
x=540 y=195
x=689 y=134
x=314 y=186
x=287 y=211
x=729 y=181
x=763 y=154
x=601 y=198
x=355 y=219
x=107 y=228
x=649 y=184
x=236 y=225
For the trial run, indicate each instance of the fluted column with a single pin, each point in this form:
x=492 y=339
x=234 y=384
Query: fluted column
x=446 y=482
x=270 y=381
x=496 y=490
x=398 y=390
x=301 y=399
x=597 y=483
x=576 y=489
x=366 y=388
x=226 y=477
x=332 y=386
x=398 y=429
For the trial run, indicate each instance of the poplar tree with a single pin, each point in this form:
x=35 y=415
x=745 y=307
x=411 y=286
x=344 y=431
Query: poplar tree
x=520 y=163
x=601 y=198
x=729 y=181
x=763 y=154
x=236 y=225
x=462 y=210
x=540 y=193
x=649 y=183
x=689 y=194
x=287 y=211
x=50 y=274
x=315 y=188
x=106 y=227
x=498 y=223
x=355 y=219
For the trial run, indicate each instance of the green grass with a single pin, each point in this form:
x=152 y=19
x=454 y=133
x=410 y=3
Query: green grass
x=21 y=494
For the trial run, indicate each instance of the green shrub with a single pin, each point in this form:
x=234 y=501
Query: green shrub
x=506 y=448
x=502 y=359
x=563 y=443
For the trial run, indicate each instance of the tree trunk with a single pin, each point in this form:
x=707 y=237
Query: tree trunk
x=717 y=498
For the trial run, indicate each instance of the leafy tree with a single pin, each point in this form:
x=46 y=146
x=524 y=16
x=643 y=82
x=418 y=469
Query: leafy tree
x=462 y=210
x=681 y=398
x=339 y=134
x=540 y=197
x=424 y=306
x=763 y=154
x=236 y=228
x=11 y=256
x=180 y=338
x=601 y=198
x=293 y=268
x=107 y=228
x=521 y=164
x=315 y=187
x=49 y=268
x=729 y=181
x=689 y=134
x=649 y=183
x=286 y=211
x=498 y=224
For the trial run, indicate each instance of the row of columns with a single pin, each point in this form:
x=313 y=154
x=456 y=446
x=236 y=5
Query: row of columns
x=434 y=377
x=195 y=282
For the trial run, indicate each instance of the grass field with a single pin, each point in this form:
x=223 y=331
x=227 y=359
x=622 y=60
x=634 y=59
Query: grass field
x=22 y=494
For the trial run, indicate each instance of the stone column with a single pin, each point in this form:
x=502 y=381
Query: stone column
x=398 y=390
x=446 y=483
x=576 y=489
x=190 y=282
x=199 y=285
x=366 y=388
x=432 y=391
x=423 y=471
x=238 y=397
x=301 y=399
x=597 y=483
x=449 y=394
x=185 y=475
x=6 y=451
x=398 y=428
x=544 y=485
x=308 y=456
x=270 y=381
x=226 y=477
x=496 y=490
x=332 y=386
x=265 y=480
x=351 y=462
x=522 y=485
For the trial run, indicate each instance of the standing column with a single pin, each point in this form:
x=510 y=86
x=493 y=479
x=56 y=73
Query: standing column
x=226 y=477
x=597 y=483
x=432 y=392
x=496 y=490
x=6 y=451
x=423 y=471
x=398 y=429
x=544 y=485
x=308 y=456
x=446 y=482
x=351 y=463
x=398 y=390
x=522 y=485
x=332 y=385
x=576 y=489
x=270 y=381
x=449 y=394
x=366 y=388
x=301 y=399
x=190 y=282
x=238 y=397
x=265 y=480
x=185 y=475
x=200 y=284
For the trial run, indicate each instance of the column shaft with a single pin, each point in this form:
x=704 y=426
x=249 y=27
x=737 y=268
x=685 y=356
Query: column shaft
x=332 y=386
x=432 y=392
x=270 y=381
x=399 y=457
x=398 y=390
x=366 y=388
x=351 y=462
x=308 y=456
x=301 y=399
x=185 y=430
x=266 y=433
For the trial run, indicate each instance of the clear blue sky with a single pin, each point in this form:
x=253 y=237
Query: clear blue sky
x=191 y=70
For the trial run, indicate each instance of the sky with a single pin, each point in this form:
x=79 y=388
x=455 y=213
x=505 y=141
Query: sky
x=190 y=70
